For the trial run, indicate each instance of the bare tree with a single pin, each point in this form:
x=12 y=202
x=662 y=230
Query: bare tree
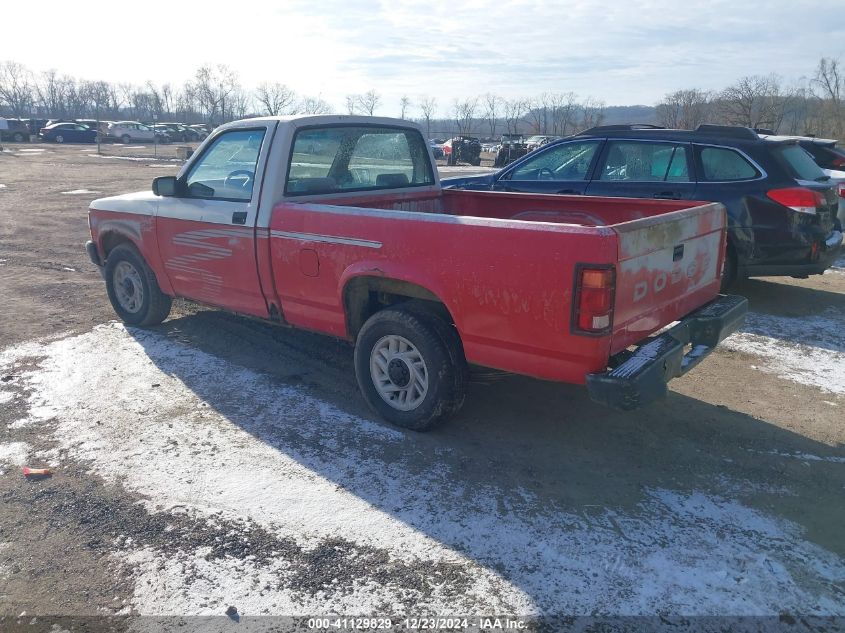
x=16 y=89
x=563 y=108
x=592 y=113
x=753 y=101
x=404 y=104
x=464 y=114
x=314 y=105
x=491 y=111
x=275 y=98
x=514 y=111
x=428 y=106
x=369 y=101
x=351 y=104
x=829 y=86
x=684 y=109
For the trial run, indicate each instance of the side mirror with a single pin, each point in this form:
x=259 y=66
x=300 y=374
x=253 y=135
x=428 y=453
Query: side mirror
x=165 y=186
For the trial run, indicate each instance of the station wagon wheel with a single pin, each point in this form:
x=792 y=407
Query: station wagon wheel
x=410 y=366
x=125 y=139
x=60 y=138
x=18 y=137
x=133 y=288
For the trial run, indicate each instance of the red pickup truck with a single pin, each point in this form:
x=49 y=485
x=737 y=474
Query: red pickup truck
x=338 y=224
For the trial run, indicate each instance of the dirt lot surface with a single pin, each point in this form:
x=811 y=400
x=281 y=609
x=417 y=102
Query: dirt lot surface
x=217 y=461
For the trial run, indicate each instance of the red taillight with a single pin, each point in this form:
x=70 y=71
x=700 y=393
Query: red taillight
x=594 y=292
x=798 y=199
x=839 y=162
x=842 y=189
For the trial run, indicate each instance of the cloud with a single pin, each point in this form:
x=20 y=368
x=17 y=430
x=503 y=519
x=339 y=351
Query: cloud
x=622 y=53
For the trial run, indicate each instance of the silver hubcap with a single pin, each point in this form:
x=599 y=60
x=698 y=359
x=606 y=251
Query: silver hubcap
x=128 y=288
x=399 y=372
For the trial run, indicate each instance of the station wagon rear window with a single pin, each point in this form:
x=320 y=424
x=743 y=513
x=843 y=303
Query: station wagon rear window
x=720 y=164
x=357 y=158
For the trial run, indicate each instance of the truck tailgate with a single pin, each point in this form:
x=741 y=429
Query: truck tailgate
x=668 y=266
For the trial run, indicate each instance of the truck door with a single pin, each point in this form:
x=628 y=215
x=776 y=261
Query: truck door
x=562 y=168
x=644 y=169
x=206 y=233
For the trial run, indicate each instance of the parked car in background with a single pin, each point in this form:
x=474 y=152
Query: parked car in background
x=67 y=133
x=538 y=140
x=462 y=149
x=182 y=133
x=201 y=129
x=782 y=208
x=827 y=155
x=15 y=130
x=34 y=125
x=129 y=131
x=436 y=149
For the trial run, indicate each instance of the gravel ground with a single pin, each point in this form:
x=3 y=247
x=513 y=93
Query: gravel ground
x=217 y=461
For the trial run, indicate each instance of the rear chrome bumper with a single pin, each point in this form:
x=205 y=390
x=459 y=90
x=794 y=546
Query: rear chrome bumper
x=642 y=376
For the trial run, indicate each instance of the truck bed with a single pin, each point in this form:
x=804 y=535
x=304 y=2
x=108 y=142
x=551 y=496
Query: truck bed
x=500 y=254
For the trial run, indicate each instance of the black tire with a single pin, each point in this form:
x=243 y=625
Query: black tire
x=154 y=305
x=729 y=270
x=60 y=138
x=438 y=345
x=18 y=137
x=125 y=139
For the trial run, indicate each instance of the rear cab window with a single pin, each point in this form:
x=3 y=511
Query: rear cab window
x=722 y=164
x=343 y=158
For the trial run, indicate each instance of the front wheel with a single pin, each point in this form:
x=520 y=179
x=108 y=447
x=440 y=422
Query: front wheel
x=133 y=289
x=410 y=367
x=60 y=138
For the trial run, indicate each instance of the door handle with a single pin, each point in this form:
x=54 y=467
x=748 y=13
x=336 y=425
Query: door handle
x=667 y=195
x=239 y=217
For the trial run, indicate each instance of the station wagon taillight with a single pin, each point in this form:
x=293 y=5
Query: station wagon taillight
x=592 y=310
x=798 y=199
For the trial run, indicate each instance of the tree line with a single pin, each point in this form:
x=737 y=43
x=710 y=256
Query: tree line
x=215 y=95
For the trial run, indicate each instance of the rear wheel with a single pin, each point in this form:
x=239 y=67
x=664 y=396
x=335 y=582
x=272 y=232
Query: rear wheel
x=60 y=138
x=125 y=139
x=133 y=289
x=18 y=137
x=410 y=367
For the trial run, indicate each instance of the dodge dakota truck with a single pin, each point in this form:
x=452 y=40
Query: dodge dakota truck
x=338 y=224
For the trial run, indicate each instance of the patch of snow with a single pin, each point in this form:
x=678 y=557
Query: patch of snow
x=2 y=186
x=32 y=150
x=187 y=430
x=807 y=457
x=809 y=350
x=6 y=396
x=133 y=146
x=77 y=192
x=14 y=453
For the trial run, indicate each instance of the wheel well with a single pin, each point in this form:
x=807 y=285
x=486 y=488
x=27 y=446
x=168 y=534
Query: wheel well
x=364 y=296
x=110 y=240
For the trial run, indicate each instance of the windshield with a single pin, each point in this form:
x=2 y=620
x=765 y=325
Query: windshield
x=357 y=158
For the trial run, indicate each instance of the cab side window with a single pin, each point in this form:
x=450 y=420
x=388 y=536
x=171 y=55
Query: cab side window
x=226 y=170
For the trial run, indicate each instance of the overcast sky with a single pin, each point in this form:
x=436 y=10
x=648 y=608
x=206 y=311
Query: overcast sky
x=622 y=52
